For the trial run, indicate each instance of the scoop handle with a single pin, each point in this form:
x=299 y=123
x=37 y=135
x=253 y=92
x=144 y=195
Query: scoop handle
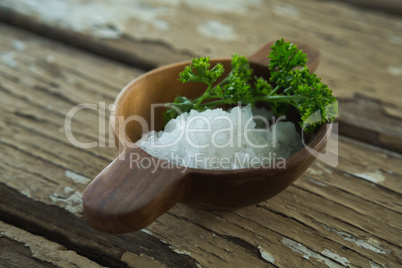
x=313 y=55
x=133 y=191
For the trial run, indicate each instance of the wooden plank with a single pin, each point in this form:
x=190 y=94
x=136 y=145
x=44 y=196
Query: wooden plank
x=381 y=127
x=20 y=248
x=389 y=6
x=72 y=232
x=337 y=216
x=359 y=48
x=14 y=254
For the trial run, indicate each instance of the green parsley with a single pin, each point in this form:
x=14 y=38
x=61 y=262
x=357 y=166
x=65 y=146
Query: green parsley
x=290 y=83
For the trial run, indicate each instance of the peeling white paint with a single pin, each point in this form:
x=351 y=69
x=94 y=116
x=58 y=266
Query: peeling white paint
x=319 y=183
x=232 y=6
x=334 y=256
x=27 y=193
x=77 y=178
x=375 y=177
x=181 y=252
x=286 y=10
x=50 y=59
x=107 y=32
x=371 y=244
x=68 y=190
x=266 y=256
x=395 y=39
x=71 y=80
x=217 y=30
x=308 y=253
x=72 y=203
x=221 y=219
x=146 y=231
x=18 y=45
x=314 y=171
x=96 y=17
x=366 y=245
x=375 y=265
x=395 y=70
x=8 y=59
x=141 y=260
x=46 y=250
x=149 y=14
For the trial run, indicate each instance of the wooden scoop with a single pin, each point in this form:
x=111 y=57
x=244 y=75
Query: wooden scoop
x=127 y=197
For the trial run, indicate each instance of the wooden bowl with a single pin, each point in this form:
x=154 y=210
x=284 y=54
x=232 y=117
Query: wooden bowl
x=126 y=197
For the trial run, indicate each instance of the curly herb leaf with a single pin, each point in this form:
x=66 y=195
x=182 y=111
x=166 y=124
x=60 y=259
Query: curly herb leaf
x=199 y=71
x=294 y=85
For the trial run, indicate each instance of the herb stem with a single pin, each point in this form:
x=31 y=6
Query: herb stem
x=205 y=95
x=280 y=98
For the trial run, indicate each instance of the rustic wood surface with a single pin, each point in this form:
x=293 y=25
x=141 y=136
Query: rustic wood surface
x=389 y=6
x=360 y=48
x=344 y=216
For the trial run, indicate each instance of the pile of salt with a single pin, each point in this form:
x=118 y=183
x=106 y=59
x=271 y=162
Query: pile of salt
x=217 y=139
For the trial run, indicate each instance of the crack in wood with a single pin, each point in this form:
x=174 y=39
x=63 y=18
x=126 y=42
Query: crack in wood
x=389 y=190
x=29 y=116
x=61 y=226
x=386 y=189
x=52 y=137
x=58 y=95
x=286 y=216
x=108 y=49
x=34 y=156
x=337 y=203
x=363 y=118
x=256 y=251
x=83 y=134
x=323 y=235
x=284 y=237
x=351 y=238
x=87 y=78
x=16 y=254
x=202 y=249
x=308 y=252
x=30 y=172
x=253 y=250
x=29 y=153
x=393 y=7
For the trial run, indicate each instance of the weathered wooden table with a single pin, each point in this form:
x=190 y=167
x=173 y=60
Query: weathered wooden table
x=57 y=54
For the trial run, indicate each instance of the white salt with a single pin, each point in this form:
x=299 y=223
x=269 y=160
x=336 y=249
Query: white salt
x=216 y=139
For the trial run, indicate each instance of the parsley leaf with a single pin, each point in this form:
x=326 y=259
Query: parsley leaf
x=294 y=85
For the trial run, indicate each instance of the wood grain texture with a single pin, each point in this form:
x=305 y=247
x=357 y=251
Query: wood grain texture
x=14 y=254
x=360 y=49
x=370 y=120
x=349 y=215
x=19 y=248
x=389 y=6
x=75 y=234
